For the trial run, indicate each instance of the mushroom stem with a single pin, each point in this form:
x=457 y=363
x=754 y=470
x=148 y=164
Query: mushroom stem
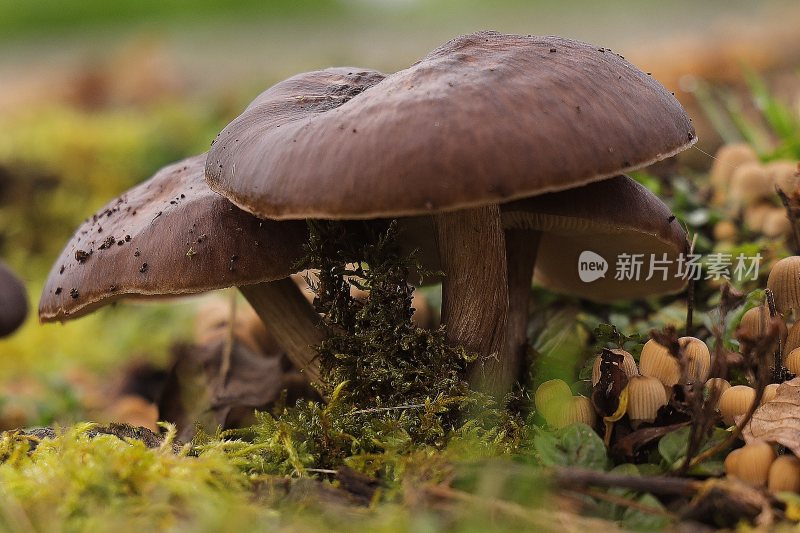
x=521 y=248
x=292 y=320
x=474 y=291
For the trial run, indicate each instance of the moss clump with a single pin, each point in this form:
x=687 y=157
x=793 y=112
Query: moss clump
x=83 y=481
x=394 y=389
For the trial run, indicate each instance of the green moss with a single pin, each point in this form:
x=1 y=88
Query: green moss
x=395 y=390
x=75 y=482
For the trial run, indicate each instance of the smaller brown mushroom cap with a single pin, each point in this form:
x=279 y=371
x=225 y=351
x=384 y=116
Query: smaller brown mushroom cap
x=784 y=282
x=170 y=235
x=582 y=219
x=611 y=218
x=13 y=301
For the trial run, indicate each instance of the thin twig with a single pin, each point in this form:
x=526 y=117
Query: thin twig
x=762 y=379
x=622 y=501
x=690 y=293
x=394 y=408
x=572 y=478
x=540 y=518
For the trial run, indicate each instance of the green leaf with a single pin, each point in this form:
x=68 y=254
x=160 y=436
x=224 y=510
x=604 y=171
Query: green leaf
x=574 y=445
x=672 y=448
x=641 y=521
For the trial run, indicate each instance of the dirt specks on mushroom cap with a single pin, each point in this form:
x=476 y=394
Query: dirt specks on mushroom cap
x=169 y=235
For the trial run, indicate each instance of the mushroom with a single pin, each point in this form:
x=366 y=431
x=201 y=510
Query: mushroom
x=577 y=409
x=628 y=365
x=172 y=235
x=784 y=474
x=483 y=120
x=13 y=301
x=727 y=160
x=646 y=396
x=549 y=395
x=752 y=463
x=566 y=225
x=735 y=401
x=784 y=282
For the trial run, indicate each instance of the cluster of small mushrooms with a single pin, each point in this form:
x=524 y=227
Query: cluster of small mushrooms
x=745 y=187
x=650 y=385
x=498 y=154
x=648 y=390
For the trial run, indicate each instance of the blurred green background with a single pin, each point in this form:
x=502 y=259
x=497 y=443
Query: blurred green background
x=95 y=96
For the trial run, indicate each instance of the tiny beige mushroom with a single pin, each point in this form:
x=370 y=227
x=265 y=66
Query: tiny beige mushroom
x=784 y=282
x=784 y=474
x=717 y=385
x=549 y=395
x=792 y=361
x=646 y=395
x=735 y=402
x=769 y=393
x=628 y=365
x=726 y=161
x=753 y=462
x=577 y=409
x=750 y=183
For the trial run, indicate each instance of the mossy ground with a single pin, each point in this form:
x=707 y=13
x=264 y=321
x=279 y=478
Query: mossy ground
x=443 y=458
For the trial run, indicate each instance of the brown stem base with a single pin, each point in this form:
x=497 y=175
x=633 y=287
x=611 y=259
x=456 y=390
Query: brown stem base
x=291 y=319
x=475 y=292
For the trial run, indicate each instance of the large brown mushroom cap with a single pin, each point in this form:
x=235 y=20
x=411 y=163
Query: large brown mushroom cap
x=13 y=301
x=485 y=118
x=167 y=236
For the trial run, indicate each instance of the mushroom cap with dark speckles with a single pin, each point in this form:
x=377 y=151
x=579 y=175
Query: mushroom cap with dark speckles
x=167 y=236
x=485 y=118
x=13 y=301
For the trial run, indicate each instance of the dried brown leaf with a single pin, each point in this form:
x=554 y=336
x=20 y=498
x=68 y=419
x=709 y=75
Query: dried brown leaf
x=778 y=420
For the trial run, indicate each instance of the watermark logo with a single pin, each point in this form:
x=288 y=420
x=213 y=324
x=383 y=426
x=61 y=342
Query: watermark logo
x=591 y=266
x=644 y=267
